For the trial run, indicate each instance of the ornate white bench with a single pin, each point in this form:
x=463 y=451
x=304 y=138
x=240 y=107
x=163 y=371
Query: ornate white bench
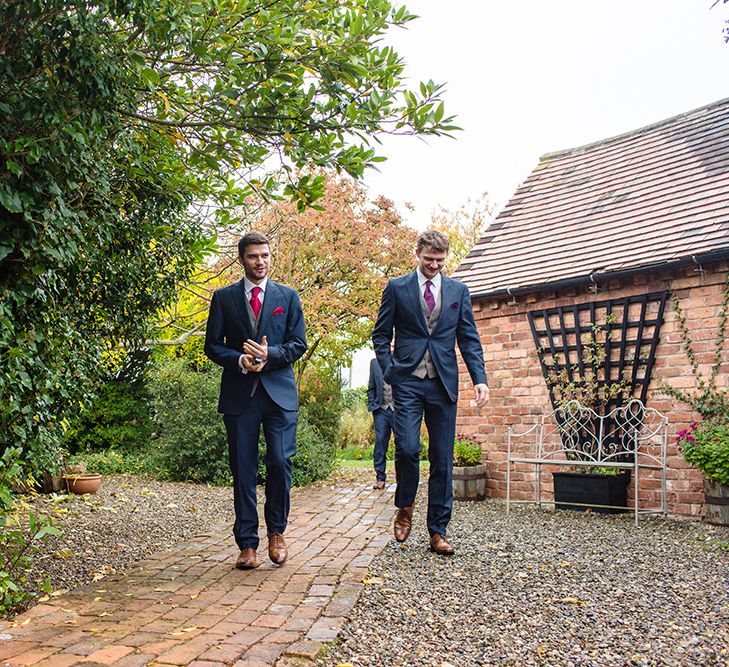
x=631 y=437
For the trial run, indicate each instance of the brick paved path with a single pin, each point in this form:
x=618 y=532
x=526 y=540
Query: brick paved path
x=187 y=605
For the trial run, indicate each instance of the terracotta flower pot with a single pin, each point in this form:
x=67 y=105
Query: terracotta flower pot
x=83 y=483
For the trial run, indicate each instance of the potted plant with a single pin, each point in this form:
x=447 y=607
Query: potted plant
x=469 y=473
x=585 y=385
x=705 y=444
x=79 y=481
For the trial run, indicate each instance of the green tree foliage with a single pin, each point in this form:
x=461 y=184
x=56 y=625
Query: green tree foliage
x=124 y=124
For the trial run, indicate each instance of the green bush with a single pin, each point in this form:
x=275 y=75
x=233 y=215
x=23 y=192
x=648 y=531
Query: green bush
x=352 y=398
x=119 y=419
x=314 y=458
x=190 y=443
x=18 y=539
x=706 y=446
x=356 y=428
x=321 y=396
x=115 y=462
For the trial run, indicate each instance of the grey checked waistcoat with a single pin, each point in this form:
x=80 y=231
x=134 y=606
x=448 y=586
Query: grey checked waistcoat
x=426 y=368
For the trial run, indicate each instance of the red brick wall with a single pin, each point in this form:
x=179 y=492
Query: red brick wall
x=519 y=394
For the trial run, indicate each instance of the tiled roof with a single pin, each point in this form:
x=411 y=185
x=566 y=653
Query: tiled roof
x=647 y=198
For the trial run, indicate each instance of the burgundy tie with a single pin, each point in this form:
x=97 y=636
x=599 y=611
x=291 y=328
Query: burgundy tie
x=428 y=296
x=255 y=301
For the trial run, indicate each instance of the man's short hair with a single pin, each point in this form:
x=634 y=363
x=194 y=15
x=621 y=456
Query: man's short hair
x=434 y=239
x=251 y=238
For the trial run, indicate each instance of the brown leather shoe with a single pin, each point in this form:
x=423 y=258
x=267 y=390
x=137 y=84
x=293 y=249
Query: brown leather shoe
x=440 y=545
x=403 y=523
x=247 y=559
x=379 y=484
x=277 y=550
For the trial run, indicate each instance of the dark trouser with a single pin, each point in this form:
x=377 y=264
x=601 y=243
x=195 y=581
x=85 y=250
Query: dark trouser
x=384 y=420
x=279 y=428
x=413 y=399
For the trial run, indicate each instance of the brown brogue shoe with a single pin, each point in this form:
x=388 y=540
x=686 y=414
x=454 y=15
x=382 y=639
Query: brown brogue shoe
x=440 y=545
x=379 y=484
x=247 y=559
x=277 y=550
x=403 y=523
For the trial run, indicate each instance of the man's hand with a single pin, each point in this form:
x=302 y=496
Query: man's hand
x=256 y=350
x=251 y=364
x=482 y=394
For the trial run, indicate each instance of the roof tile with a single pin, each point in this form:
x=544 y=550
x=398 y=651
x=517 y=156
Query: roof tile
x=648 y=197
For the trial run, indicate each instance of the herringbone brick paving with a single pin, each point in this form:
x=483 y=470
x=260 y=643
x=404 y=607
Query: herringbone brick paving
x=188 y=605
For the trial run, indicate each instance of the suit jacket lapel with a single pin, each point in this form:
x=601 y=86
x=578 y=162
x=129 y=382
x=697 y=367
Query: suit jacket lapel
x=270 y=301
x=241 y=311
x=415 y=305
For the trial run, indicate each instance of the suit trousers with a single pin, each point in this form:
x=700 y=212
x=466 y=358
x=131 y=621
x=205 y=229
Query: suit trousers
x=416 y=398
x=383 y=420
x=279 y=428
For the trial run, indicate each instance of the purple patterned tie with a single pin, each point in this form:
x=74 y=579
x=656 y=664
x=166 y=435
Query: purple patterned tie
x=428 y=296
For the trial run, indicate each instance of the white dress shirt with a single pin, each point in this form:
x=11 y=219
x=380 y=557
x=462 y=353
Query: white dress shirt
x=249 y=288
x=434 y=284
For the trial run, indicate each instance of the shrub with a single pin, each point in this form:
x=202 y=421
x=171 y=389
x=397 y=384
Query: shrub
x=352 y=398
x=314 y=458
x=17 y=540
x=321 y=395
x=114 y=462
x=467 y=451
x=356 y=428
x=190 y=443
x=706 y=446
x=119 y=419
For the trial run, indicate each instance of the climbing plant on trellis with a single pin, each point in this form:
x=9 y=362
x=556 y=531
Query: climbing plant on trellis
x=600 y=353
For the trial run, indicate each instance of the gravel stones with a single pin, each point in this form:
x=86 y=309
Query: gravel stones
x=128 y=519
x=540 y=587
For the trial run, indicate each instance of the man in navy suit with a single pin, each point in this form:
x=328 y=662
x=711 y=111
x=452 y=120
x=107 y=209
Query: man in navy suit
x=255 y=331
x=380 y=404
x=427 y=313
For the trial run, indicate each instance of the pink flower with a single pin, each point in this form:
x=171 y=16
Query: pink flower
x=690 y=437
x=682 y=434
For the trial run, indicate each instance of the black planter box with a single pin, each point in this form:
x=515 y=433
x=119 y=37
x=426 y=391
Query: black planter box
x=591 y=489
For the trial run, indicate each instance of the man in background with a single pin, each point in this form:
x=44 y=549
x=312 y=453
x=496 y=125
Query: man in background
x=380 y=404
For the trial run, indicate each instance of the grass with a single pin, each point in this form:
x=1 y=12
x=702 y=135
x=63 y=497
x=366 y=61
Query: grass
x=354 y=463
x=368 y=463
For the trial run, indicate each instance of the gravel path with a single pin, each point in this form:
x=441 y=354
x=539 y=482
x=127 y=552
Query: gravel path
x=129 y=518
x=545 y=588
x=535 y=588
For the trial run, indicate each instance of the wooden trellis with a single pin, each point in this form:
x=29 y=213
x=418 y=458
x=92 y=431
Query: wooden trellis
x=625 y=334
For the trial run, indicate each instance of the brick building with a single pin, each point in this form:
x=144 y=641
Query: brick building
x=605 y=232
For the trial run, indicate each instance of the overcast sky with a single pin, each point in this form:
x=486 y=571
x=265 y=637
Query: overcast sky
x=528 y=77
